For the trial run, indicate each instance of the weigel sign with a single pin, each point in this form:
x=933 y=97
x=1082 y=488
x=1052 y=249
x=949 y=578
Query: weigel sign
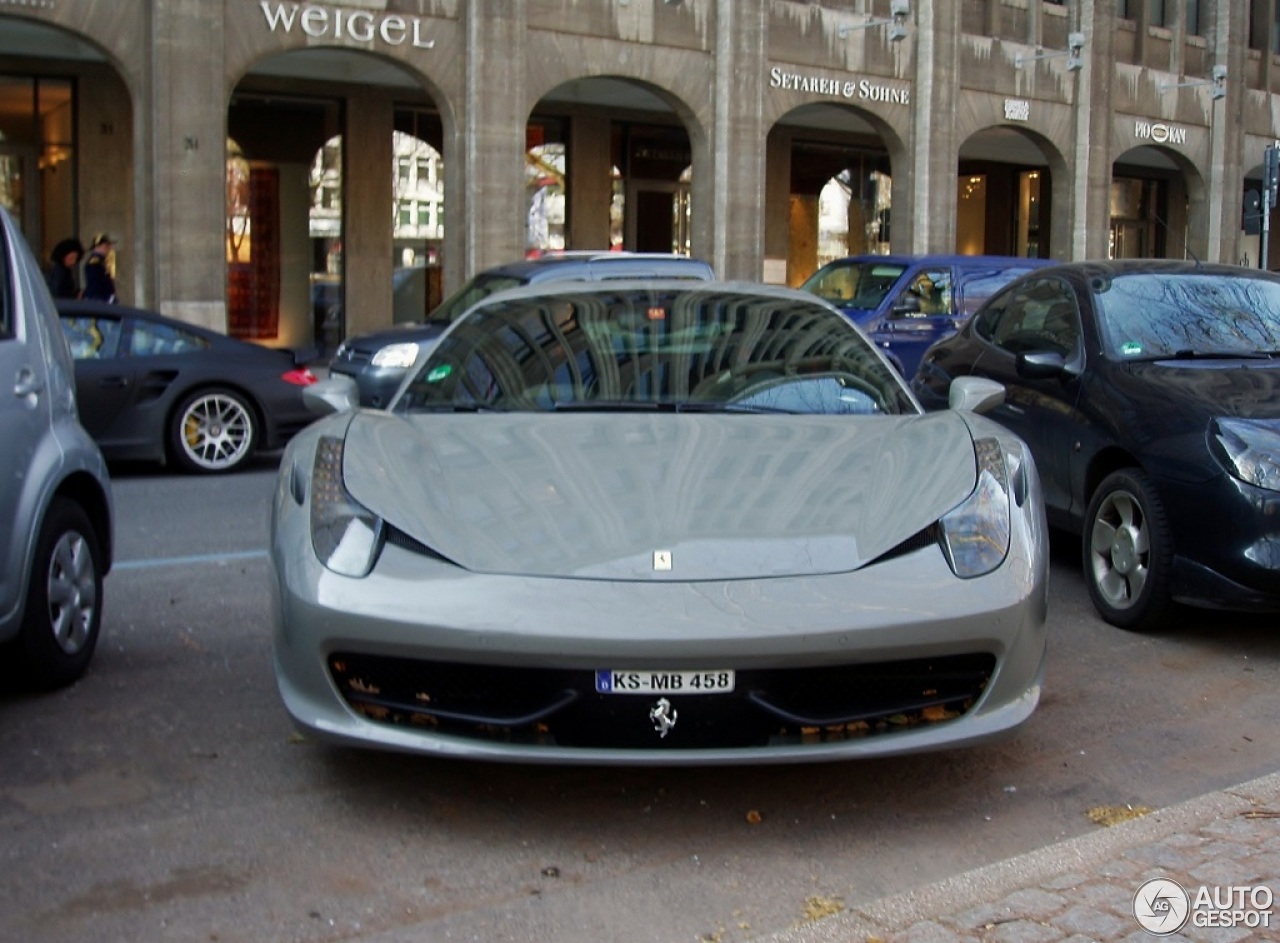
x=361 y=26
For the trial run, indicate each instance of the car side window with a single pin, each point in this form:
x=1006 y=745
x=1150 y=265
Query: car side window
x=7 y=316
x=92 y=338
x=151 y=340
x=929 y=293
x=1039 y=315
x=976 y=287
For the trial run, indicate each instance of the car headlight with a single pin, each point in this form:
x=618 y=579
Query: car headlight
x=975 y=536
x=345 y=536
x=1248 y=449
x=400 y=356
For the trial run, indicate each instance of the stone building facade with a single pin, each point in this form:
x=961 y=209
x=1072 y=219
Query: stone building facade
x=1067 y=130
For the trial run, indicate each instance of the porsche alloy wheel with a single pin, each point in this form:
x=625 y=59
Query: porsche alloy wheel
x=64 y=600
x=213 y=431
x=1127 y=551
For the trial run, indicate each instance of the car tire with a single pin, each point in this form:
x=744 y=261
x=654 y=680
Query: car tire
x=64 y=600
x=213 y=431
x=1128 y=551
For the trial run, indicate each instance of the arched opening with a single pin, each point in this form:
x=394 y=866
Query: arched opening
x=53 y=82
x=829 y=190
x=1152 y=206
x=335 y=249
x=1004 y=195
x=609 y=166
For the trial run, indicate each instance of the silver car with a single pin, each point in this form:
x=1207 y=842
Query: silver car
x=658 y=522
x=55 y=495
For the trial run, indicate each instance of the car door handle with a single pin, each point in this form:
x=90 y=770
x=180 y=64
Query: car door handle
x=27 y=383
x=117 y=383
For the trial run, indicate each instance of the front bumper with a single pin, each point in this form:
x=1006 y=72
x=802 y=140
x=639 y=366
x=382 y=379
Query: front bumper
x=1226 y=535
x=376 y=385
x=414 y=609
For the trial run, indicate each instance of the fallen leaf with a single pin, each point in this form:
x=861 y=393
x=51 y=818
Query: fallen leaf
x=754 y=817
x=1109 y=815
x=817 y=907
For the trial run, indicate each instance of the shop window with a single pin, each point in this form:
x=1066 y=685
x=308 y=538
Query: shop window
x=853 y=214
x=545 y=189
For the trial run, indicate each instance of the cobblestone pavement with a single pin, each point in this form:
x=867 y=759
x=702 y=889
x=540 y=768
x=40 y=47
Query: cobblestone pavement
x=1084 y=889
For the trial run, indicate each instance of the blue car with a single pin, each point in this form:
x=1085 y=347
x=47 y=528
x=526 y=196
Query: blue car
x=907 y=302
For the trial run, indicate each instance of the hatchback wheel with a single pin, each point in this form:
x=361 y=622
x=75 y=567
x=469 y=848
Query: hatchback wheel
x=64 y=600
x=1128 y=551
x=213 y=431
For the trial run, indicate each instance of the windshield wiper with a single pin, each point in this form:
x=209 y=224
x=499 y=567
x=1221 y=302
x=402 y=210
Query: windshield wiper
x=1188 y=354
x=608 y=405
x=617 y=405
x=704 y=407
x=454 y=408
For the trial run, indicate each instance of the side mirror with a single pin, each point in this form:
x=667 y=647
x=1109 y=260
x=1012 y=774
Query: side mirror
x=976 y=394
x=334 y=394
x=1040 y=364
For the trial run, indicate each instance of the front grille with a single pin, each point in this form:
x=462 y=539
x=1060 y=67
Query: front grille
x=349 y=355
x=559 y=707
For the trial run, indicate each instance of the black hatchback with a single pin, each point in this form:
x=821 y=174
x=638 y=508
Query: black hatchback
x=1149 y=393
x=379 y=360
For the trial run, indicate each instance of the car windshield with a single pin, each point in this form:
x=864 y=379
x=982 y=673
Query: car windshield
x=855 y=284
x=1161 y=315
x=670 y=348
x=477 y=289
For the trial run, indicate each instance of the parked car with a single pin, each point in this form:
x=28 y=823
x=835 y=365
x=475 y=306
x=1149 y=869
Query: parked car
x=1149 y=393
x=665 y=522
x=154 y=388
x=55 y=493
x=378 y=361
x=906 y=302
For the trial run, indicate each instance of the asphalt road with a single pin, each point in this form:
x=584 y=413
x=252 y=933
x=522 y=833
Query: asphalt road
x=167 y=797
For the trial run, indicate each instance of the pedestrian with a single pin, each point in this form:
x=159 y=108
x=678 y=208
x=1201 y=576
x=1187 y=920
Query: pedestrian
x=64 y=268
x=99 y=280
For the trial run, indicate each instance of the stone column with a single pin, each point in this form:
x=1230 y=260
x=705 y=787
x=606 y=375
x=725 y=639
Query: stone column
x=777 y=204
x=590 y=184
x=738 y=135
x=1227 y=35
x=933 y=149
x=181 y=163
x=493 y=120
x=368 y=198
x=1089 y=161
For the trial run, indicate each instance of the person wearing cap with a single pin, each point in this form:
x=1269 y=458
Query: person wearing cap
x=99 y=283
x=64 y=268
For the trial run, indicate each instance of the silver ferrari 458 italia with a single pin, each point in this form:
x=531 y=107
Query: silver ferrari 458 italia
x=659 y=522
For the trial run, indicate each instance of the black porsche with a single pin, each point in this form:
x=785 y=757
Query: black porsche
x=1149 y=392
x=155 y=388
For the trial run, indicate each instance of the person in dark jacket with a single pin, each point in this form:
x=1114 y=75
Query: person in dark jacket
x=64 y=268
x=99 y=283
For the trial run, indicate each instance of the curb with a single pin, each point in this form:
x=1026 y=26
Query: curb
x=994 y=881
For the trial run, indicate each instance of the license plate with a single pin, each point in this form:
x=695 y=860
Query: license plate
x=664 y=682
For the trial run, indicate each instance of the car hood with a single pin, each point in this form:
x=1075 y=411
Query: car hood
x=603 y=495
x=1193 y=391
x=400 y=334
